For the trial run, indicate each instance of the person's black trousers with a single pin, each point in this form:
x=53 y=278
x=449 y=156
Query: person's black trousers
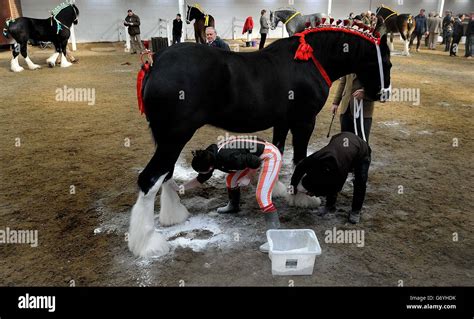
x=263 y=37
x=347 y=124
x=176 y=39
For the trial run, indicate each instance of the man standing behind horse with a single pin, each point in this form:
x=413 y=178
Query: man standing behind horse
x=264 y=27
x=421 y=28
x=434 y=27
x=214 y=41
x=132 y=21
x=177 y=29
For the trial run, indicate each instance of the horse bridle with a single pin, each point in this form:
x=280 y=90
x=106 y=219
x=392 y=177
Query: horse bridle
x=75 y=13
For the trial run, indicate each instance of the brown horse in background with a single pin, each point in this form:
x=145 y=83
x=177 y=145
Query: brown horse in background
x=404 y=24
x=202 y=22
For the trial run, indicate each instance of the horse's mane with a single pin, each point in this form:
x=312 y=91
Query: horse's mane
x=342 y=27
x=285 y=8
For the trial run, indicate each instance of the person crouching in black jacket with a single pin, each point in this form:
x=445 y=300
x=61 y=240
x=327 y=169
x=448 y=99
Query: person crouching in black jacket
x=325 y=172
x=241 y=158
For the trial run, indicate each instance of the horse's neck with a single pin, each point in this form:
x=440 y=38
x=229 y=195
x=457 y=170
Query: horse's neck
x=198 y=14
x=285 y=16
x=329 y=48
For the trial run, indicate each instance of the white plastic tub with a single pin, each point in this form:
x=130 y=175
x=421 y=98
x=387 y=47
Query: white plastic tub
x=292 y=251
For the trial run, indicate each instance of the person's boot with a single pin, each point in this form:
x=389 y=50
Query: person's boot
x=324 y=210
x=272 y=221
x=234 y=202
x=354 y=217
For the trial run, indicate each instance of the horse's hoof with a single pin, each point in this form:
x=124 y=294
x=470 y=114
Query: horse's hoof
x=51 y=64
x=19 y=69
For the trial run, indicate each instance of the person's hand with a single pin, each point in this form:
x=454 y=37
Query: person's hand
x=359 y=94
x=334 y=108
x=130 y=23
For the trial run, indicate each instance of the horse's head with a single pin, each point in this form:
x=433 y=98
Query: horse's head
x=272 y=22
x=376 y=68
x=68 y=15
x=188 y=14
x=76 y=11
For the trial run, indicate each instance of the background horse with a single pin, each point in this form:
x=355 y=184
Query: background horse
x=404 y=24
x=202 y=22
x=280 y=92
x=294 y=21
x=54 y=29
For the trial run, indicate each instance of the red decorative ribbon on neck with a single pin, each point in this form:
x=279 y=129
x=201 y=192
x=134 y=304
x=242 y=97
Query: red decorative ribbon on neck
x=141 y=76
x=305 y=52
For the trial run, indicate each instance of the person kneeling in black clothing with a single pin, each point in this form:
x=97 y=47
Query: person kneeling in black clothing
x=325 y=172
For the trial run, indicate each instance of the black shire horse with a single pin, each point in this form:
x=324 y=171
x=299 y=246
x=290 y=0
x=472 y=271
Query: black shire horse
x=202 y=22
x=191 y=85
x=404 y=24
x=55 y=29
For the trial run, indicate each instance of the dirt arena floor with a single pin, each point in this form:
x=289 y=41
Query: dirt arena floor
x=417 y=220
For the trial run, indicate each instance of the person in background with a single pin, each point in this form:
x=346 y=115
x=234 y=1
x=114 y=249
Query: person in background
x=177 y=29
x=434 y=28
x=214 y=41
x=132 y=21
x=264 y=27
x=470 y=38
x=447 y=31
x=421 y=27
x=446 y=20
x=458 y=31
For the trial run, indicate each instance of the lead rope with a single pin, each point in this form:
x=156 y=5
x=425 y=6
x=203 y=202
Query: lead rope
x=359 y=112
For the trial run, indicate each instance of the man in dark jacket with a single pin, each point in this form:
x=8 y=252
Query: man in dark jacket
x=132 y=21
x=458 y=32
x=325 y=172
x=214 y=41
x=470 y=38
x=420 y=29
x=177 y=29
x=447 y=29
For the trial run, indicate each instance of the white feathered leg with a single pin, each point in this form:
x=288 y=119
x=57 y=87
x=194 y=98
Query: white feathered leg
x=303 y=200
x=143 y=240
x=31 y=65
x=406 y=49
x=64 y=62
x=279 y=190
x=52 y=60
x=15 y=66
x=172 y=211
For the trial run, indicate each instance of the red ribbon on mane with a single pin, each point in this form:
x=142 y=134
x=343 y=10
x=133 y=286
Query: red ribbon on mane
x=141 y=75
